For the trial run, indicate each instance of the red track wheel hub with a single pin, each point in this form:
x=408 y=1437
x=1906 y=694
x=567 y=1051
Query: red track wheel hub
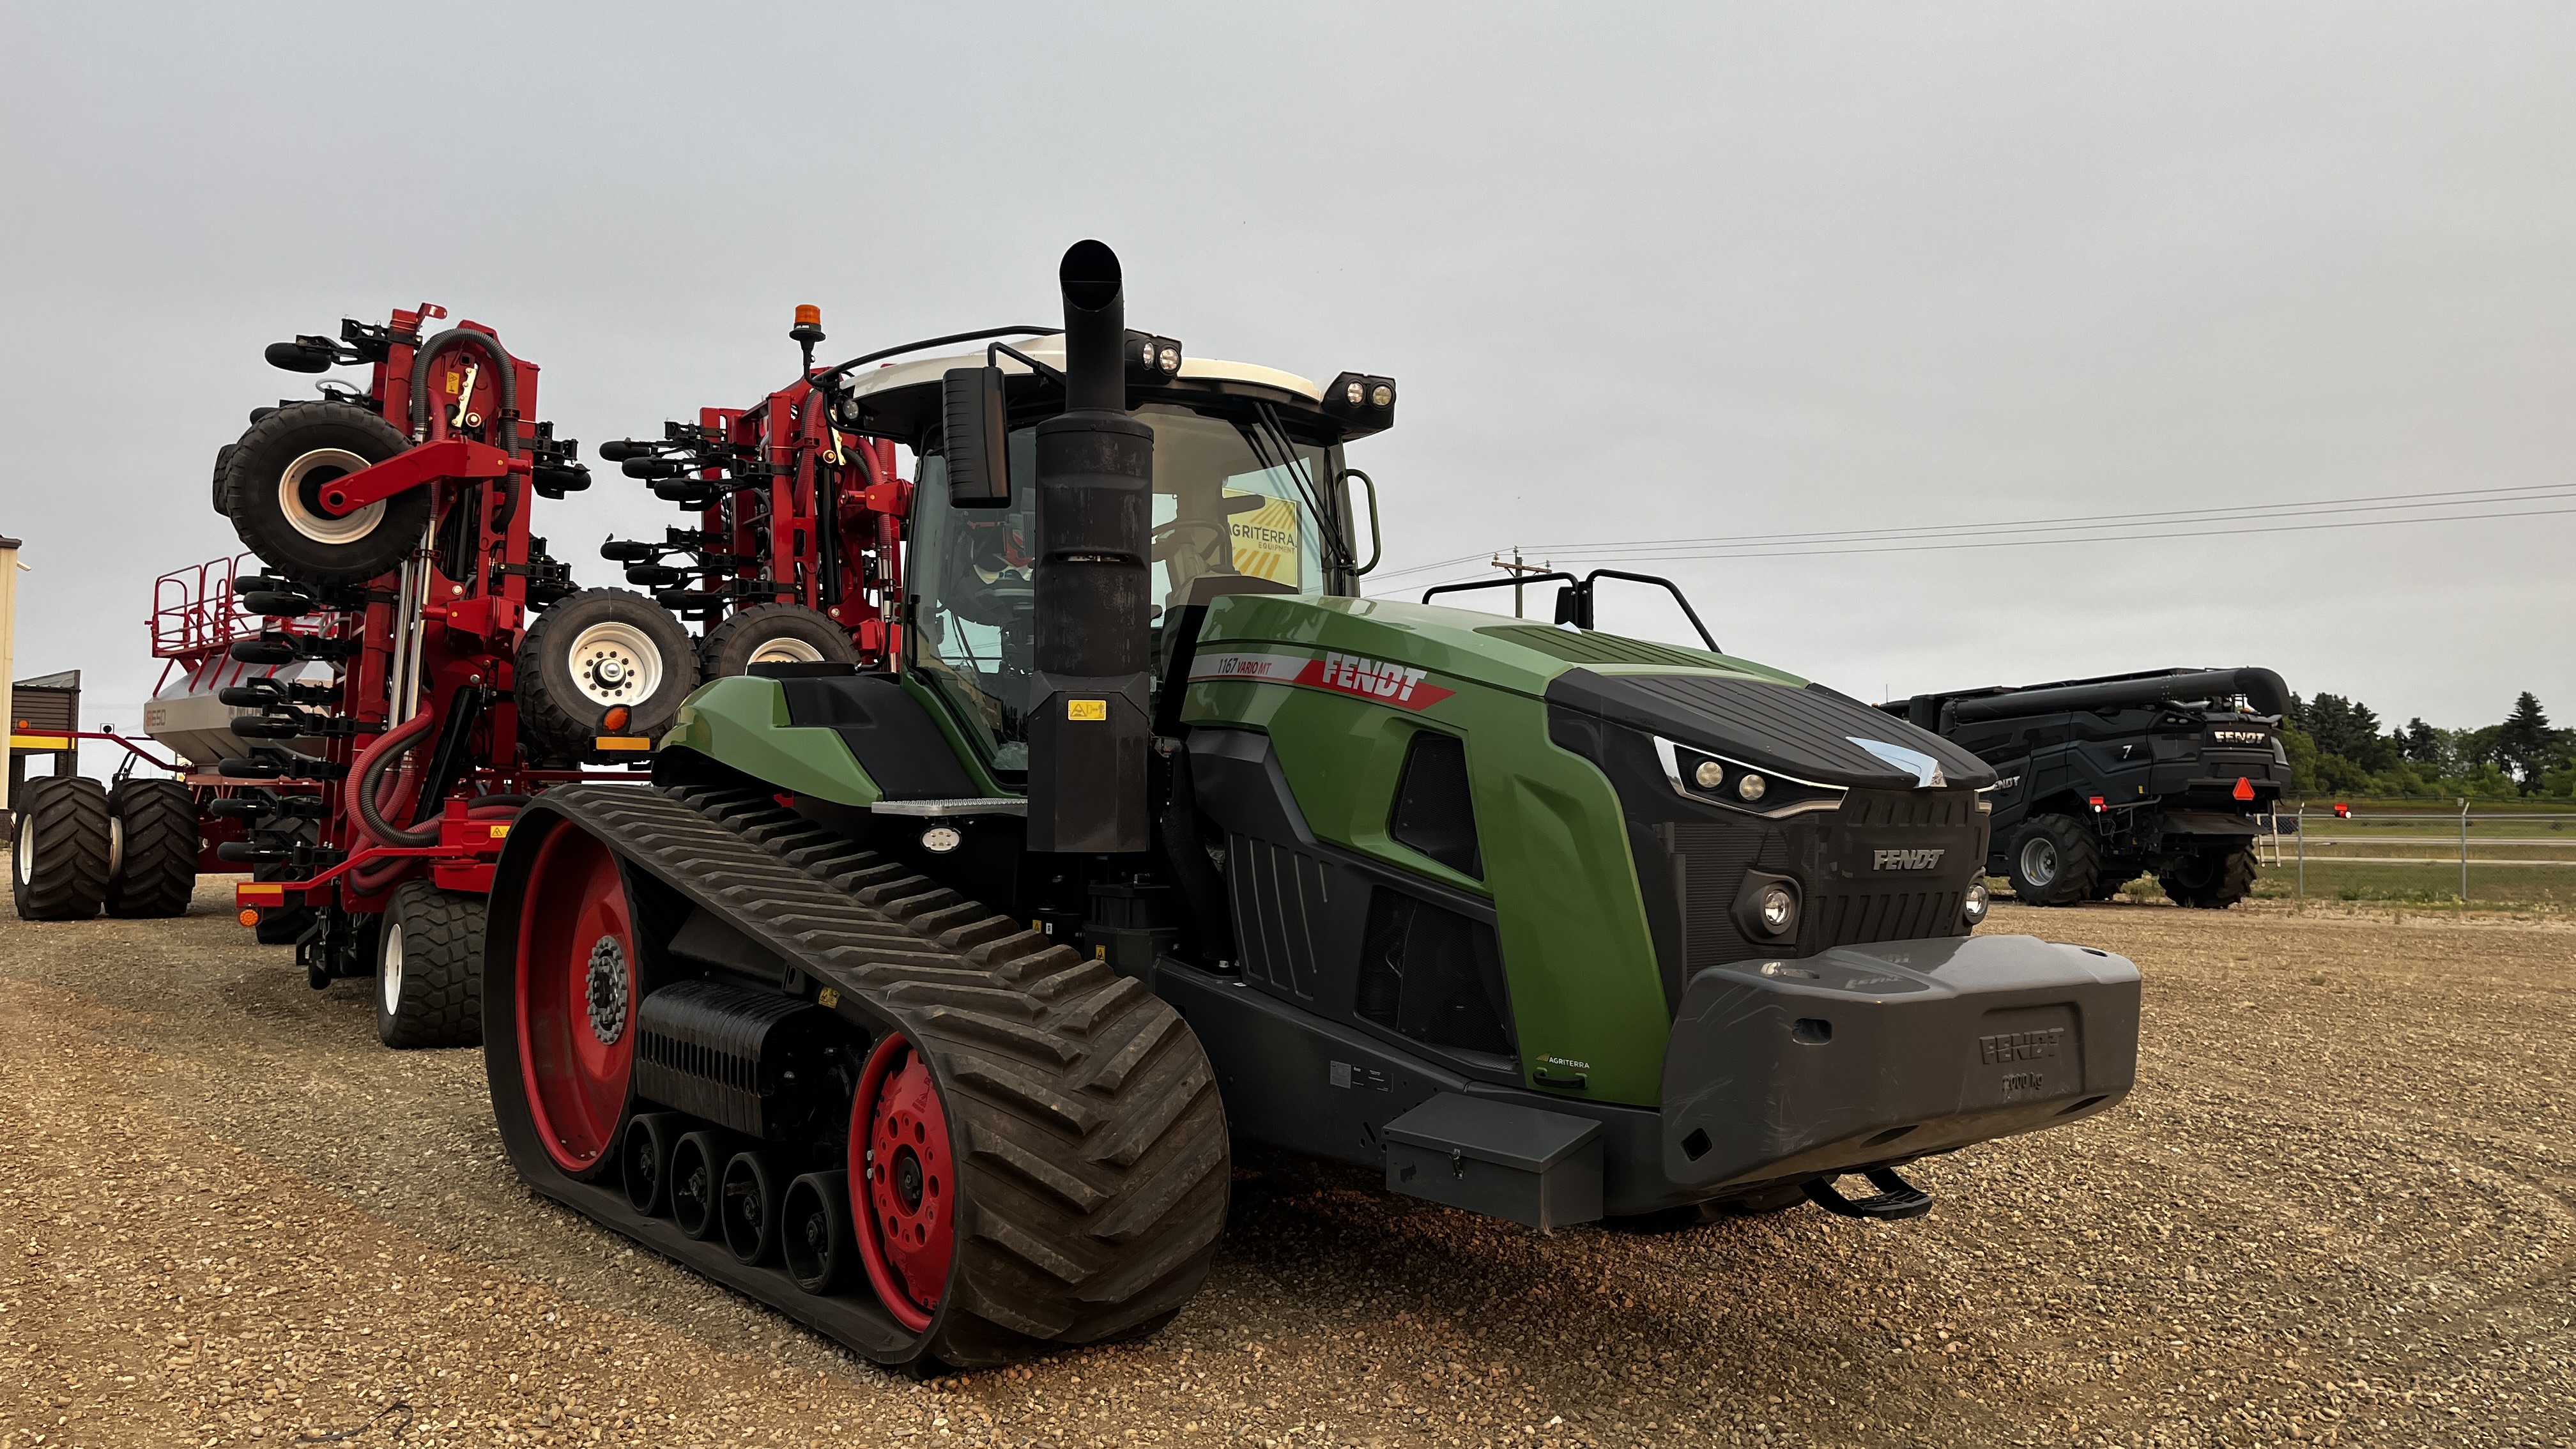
x=576 y=998
x=907 y=1213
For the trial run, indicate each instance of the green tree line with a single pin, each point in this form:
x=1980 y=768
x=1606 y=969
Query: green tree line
x=2336 y=747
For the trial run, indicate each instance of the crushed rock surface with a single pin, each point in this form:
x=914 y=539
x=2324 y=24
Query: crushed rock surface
x=2337 y=1210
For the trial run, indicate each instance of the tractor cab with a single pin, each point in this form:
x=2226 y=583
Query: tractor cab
x=1251 y=494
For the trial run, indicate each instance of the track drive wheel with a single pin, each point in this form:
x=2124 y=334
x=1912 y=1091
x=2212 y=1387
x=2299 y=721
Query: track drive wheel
x=64 y=849
x=598 y=650
x=272 y=489
x=2054 y=861
x=574 y=999
x=156 y=856
x=429 y=969
x=907 y=1213
x=772 y=634
x=2211 y=880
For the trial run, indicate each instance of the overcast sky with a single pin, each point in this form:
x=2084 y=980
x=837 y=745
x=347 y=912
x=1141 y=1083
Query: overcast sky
x=1682 y=272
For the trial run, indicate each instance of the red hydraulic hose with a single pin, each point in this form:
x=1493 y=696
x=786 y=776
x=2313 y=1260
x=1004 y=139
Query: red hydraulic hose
x=372 y=807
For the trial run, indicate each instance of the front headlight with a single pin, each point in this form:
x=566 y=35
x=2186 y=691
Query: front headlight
x=1973 y=907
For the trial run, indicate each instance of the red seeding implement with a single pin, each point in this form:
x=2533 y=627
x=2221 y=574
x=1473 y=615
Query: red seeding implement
x=795 y=553
x=361 y=719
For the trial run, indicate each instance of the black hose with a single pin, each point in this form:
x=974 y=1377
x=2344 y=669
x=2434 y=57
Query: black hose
x=428 y=353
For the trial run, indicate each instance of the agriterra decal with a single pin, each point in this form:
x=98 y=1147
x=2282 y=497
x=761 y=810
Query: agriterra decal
x=1381 y=680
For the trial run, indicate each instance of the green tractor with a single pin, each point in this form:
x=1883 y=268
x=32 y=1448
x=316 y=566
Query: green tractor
x=925 y=1006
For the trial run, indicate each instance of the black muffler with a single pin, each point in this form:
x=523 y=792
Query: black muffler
x=1092 y=688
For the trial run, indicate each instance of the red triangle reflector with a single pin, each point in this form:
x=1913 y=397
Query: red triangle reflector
x=2244 y=788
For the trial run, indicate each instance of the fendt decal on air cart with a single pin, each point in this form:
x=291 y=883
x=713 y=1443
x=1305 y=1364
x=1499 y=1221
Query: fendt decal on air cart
x=1380 y=680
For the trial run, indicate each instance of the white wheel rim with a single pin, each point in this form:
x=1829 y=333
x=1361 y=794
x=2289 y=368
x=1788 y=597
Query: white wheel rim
x=615 y=663
x=389 y=971
x=312 y=523
x=26 y=849
x=115 y=848
x=2039 y=862
x=786 y=649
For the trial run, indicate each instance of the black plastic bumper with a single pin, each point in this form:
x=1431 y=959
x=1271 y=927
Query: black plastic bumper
x=1926 y=1046
x=1871 y=1054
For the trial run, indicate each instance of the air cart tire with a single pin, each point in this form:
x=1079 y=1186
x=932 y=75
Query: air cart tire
x=429 y=969
x=772 y=634
x=63 y=851
x=597 y=651
x=156 y=855
x=2054 y=861
x=2211 y=880
x=272 y=490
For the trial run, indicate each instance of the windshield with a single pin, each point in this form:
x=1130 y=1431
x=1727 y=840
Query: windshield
x=1225 y=502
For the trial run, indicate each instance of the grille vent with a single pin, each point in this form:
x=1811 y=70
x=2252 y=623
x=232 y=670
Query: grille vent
x=1280 y=899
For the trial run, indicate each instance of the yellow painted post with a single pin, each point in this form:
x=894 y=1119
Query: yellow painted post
x=9 y=567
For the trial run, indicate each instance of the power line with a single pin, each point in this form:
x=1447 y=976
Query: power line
x=2100 y=527
x=1924 y=547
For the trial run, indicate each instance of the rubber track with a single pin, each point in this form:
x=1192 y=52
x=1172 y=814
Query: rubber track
x=1092 y=1145
x=67 y=816
x=156 y=874
x=442 y=980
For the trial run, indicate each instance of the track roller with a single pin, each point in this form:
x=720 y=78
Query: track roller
x=697 y=1166
x=815 y=1232
x=644 y=1164
x=750 y=1208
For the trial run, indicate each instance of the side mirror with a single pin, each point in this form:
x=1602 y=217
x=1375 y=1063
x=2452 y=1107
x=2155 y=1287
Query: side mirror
x=974 y=438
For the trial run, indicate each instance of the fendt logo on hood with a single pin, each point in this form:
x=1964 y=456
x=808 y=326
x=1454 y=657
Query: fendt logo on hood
x=2239 y=737
x=1402 y=685
x=1906 y=859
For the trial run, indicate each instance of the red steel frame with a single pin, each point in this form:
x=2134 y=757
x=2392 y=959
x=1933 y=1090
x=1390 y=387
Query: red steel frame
x=474 y=608
x=817 y=477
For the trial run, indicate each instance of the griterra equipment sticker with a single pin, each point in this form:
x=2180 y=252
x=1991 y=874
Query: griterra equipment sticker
x=1384 y=681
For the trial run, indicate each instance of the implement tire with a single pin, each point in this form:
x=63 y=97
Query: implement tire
x=594 y=651
x=2054 y=861
x=272 y=490
x=64 y=846
x=2211 y=880
x=156 y=862
x=429 y=969
x=772 y=634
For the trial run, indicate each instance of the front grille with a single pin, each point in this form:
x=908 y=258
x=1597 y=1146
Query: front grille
x=1714 y=857
x=1858 y=918
x=1852 y=900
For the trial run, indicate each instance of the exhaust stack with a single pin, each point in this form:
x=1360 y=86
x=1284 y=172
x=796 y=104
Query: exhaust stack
x=1092 y=690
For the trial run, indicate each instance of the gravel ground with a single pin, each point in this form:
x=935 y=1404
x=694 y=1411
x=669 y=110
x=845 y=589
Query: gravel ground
x=2337 y=1210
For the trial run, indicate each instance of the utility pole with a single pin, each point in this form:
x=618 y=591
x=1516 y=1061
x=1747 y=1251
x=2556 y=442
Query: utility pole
x=1516 y=569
